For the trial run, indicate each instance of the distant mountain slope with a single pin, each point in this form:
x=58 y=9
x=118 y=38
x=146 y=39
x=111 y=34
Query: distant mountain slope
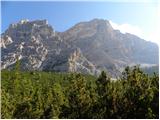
x=87 y=47
x=151 y=70
x=109 y=48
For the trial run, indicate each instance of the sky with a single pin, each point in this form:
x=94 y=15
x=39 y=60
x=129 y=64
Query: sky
x=139 y=18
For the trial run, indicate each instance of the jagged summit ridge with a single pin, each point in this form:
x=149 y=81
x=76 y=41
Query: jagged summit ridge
x=25 y=21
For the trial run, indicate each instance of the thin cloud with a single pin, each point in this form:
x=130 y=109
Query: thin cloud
x=127 y=28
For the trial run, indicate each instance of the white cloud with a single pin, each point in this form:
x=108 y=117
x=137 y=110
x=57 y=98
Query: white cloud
x=154 y=35
x=128 y=28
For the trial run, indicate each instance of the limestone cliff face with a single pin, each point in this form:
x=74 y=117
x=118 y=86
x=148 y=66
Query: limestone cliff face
x=5 y=41
x=24 y=40
x=71 y=60
x=77 y=62
x=38 y=47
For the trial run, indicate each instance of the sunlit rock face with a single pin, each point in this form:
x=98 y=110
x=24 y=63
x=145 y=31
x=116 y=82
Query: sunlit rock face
x=38 y=47
x=77 y=62
x=88 y=47
x=25 y=41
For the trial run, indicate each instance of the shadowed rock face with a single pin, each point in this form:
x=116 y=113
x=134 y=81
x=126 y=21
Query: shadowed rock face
x=87 y=47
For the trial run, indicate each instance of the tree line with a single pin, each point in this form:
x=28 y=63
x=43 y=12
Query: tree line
x=72 y=95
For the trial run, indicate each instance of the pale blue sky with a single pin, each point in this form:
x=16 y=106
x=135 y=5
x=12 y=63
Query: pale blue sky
x=63 y=15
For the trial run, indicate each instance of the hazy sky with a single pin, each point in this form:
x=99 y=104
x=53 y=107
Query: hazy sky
x=139 y=18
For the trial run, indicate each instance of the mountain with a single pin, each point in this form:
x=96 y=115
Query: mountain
x=87 y=47
x=38 y=47
x=110 y=49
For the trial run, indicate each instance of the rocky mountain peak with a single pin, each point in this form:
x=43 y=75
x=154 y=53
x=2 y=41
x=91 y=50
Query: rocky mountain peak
x=94 y=24
x=87 y=29
x=101 y=22
x=27 y=40
x=24 y=30
x=27 y=21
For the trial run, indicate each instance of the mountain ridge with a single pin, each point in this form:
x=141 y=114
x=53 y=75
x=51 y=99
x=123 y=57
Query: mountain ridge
x=95 y=45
